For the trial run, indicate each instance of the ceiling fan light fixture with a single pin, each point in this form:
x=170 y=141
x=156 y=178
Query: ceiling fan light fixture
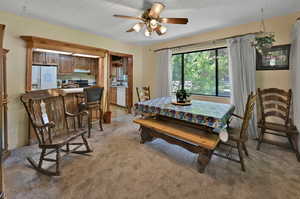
x=137 y=27
x=156 y=9
x=153 y=23
x=147 y=33
x=163 y=29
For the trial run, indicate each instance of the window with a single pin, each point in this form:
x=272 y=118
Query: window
x=202 y=72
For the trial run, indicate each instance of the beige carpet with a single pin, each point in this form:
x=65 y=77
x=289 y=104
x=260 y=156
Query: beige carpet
x=120 y=167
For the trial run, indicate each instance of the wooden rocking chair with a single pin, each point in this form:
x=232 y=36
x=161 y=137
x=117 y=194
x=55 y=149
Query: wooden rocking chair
x=44 y=107
x=276 y=103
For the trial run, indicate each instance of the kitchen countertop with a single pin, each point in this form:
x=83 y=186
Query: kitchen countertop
x=71 y=90
x=121 y=86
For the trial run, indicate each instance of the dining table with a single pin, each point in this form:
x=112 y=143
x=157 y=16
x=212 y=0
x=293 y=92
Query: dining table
x=211 y=116
x=205 y=113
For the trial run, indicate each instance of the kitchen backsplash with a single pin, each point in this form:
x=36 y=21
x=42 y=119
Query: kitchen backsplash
x=77 y=76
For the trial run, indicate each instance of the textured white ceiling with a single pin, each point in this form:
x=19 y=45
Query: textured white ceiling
x=95 y=16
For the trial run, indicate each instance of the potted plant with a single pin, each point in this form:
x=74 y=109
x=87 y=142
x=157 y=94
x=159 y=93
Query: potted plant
x=181 y=96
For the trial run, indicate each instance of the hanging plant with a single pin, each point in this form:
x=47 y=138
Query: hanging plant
x=264 y=42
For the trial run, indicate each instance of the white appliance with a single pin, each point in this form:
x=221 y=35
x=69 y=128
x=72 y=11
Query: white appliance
x=44 y=77
x=121 y=96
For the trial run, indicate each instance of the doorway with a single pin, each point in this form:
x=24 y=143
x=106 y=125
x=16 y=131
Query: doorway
x=120 y=83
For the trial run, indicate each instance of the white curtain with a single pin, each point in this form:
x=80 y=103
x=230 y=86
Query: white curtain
x=163 y=73
x=242 y=69
x=295 y=71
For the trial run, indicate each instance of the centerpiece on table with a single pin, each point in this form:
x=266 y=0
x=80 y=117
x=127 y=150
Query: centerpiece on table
x=182 y=98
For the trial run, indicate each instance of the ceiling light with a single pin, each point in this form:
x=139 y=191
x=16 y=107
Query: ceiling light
x=52 y=51
x=84 y=55
x=153 y=23
x=147 y=33
x=163 y=29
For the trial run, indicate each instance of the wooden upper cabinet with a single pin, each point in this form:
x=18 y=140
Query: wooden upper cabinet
x=38 y=58
x=66 y=64
x=52 y=59
x=94 y=66
x=43 y=58
x=82 y=63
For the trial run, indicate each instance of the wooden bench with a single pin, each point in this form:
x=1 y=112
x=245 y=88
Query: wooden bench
x=194 y=138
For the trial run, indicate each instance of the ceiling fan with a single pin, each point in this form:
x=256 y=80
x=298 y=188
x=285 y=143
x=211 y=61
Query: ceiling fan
x=152 y=20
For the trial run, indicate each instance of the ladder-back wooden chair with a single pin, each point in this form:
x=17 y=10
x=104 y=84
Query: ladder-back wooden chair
x=43 y=109
x=239 y=136
x=143 y=93
x=92 y=101
x=275 y=107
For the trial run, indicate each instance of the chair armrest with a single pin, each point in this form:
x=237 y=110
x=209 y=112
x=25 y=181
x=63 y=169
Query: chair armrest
x=76 y=114
x=50 y=125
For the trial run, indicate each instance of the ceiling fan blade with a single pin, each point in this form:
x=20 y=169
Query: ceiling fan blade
x=128 y=17
x=174 y=20
x=156 y=9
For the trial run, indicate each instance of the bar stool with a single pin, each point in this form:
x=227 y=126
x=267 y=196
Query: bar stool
x=92 y=101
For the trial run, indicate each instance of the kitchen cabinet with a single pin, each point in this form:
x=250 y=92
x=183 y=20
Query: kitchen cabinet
x=43 y=58
x=66 y=64
x=82 y=63
x=113 y=95
x=94 y=66
x=38 y=58
x=52 y=59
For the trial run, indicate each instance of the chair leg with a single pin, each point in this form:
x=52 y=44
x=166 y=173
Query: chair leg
x=42 y=158
x=89 y=124
x=58 y=161
x=100 y=119
x=87 y=146
x=245 y=149
x=294 y=144
x=260 y=139
x=239 y=147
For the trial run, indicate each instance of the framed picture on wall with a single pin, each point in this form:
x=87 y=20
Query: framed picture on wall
x=276 y=58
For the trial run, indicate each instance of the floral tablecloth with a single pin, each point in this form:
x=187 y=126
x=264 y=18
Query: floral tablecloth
x=214 y=115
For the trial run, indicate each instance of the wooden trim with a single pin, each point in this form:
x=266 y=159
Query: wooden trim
x=130 y=78
x=38 y=42
x=100 y=75
x=2 y=54
x=28 y=82
x=2 y=28
x=130 y=83
x=119 y=54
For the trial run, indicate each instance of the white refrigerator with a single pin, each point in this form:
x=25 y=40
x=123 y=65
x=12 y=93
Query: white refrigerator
x=44 y=77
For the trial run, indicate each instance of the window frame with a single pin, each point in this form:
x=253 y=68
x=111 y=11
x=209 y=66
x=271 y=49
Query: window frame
x=216 y=65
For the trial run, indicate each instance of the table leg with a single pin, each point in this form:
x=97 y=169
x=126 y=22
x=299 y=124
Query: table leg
x=203 y=159
x=145 y=135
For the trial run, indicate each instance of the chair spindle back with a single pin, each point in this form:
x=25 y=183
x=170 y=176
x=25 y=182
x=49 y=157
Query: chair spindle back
x=276 y=103
x=143 y=93
x=44 y=108
x=248 y=115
